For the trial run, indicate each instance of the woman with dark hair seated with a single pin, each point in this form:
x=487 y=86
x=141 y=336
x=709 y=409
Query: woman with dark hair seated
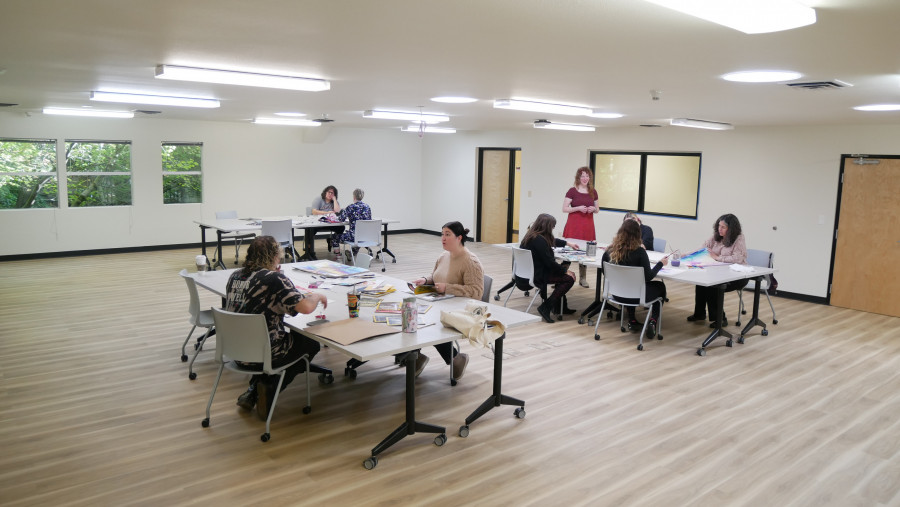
x=626 y=250
x=260 y=288
x=726 y=245
x=539 y=239
x=458 y=272
x=325 y=204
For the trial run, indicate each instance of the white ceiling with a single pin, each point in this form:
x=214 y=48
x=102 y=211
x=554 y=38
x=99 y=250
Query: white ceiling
x=396 y=54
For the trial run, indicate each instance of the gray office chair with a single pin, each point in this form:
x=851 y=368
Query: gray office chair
x=367 y=234
x=764 y=259
x=283 y=232
x=244 y=338
x=622 y=285
x=199 y=318
x=488 y=282
x=659 y=245
x=237 y=237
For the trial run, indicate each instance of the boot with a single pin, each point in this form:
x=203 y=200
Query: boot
x=544 y=310
x=582 y=276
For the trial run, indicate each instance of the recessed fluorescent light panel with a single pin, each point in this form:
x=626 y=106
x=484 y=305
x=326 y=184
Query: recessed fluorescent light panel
x=400 y=115
x=542 y=107
x=701 y=124
x=748 y=16
x=294 y=122
x=878 y=107
x=97 y=113
x=454 y=100
x=762 y=76
x=428 y=129
x=596 y=113
x=291 y=114
x=158 y=100
x=232 y=77
x=544 y=124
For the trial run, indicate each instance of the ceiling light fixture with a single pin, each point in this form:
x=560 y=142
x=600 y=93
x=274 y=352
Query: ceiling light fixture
x=748 y=16
x=454 y=100
x=762 y=76
x=87 y=112
x=701 y=124
x=399 y=115
x=545 y=124
x=159 y=100
x=542 y=107
x=596 y=113
x=233 y=77
x=295 y=122
x=289 y=113
x=878 y=107
x=428 y=129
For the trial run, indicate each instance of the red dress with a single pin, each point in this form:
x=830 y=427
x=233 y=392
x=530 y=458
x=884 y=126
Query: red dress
x=580 y=225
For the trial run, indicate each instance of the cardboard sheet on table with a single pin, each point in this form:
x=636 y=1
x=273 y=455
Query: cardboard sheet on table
x=349 y=331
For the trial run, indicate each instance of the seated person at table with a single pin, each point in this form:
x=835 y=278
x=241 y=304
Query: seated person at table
x=626 y=250
x=356 y=211
x=260 y=288
x=459 y=272
x=539 y=239
x=726 y=245
x=326 y=204
x=646 y=231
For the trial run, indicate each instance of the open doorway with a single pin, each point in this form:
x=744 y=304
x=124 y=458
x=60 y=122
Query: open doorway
x=497 y=212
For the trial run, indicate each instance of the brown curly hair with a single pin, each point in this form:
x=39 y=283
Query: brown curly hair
x=261 y=254
x=590 y=185
x=627 y=240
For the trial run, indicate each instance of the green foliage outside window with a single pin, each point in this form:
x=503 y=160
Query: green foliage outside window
x=91 y=173
x=182 y=181
x=28 y=174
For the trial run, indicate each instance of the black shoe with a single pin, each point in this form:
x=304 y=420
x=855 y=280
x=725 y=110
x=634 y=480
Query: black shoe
x=568 y=311
x=695 y=317
x=247 y=400
x=544 y=310
x=651 y=329
x=634 y=326
x=266 y=394
x=724 y=323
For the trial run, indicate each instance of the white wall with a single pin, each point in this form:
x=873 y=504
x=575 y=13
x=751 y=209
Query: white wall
x=256 y=169
x=783 y=178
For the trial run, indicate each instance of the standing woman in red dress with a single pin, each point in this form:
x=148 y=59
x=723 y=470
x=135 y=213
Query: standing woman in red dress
x=581 y=204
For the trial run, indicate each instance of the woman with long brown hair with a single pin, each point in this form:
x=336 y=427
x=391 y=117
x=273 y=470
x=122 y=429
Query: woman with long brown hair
x=626 y=250
x=539 y=239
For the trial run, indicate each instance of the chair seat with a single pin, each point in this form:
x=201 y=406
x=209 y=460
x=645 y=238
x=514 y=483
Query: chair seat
x=205 y=318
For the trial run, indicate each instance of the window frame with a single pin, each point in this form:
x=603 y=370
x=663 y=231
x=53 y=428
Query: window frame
x=166 y=172
x=77 y=174
x=54 y=173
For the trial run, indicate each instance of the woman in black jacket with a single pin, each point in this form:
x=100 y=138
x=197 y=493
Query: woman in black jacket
x=626 y=250
x=539 y=239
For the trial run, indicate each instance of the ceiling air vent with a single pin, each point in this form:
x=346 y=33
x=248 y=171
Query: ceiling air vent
x=7 y=104
x=820 y=85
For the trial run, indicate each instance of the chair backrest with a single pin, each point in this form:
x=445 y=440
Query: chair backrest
x=624 y=281
x=486 y=295
x=281 y=230
x=659 y=245
x=368 y=231
x=194 y=305
x=220 y=215
x=242 y=337
x=523 y=264
x=761 y=258
x=363 y=260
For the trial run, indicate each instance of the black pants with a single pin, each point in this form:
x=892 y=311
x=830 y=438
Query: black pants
x=707 y=298
x=654 y=289
x=301 y=345
x=309 y=237
x=447 y=351
x=561 y=285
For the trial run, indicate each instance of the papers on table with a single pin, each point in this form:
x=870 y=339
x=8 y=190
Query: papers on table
x=330 y=269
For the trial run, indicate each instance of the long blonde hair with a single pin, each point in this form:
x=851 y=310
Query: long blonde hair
x=627 y=240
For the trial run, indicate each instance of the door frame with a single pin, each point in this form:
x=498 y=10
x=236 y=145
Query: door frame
x=510 y=198
x=837 y=213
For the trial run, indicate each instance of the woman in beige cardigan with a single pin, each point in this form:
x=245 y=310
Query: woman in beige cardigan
x=458 y=272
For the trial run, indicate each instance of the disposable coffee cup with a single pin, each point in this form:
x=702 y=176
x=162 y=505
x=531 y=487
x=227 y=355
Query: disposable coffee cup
x=309 y=211
x=200 y=260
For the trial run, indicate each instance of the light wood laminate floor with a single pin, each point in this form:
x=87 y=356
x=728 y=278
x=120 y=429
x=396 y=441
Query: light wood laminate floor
x=96 y=407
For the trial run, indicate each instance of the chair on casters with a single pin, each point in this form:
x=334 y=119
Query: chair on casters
x=763 y=259
x=523 y=269
x=283 y=232
x=244 y=337
x=512 y=283
x=659 y=245
x=626 y=286
x=238 y=237
x=199 y=318
x=367 y=235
